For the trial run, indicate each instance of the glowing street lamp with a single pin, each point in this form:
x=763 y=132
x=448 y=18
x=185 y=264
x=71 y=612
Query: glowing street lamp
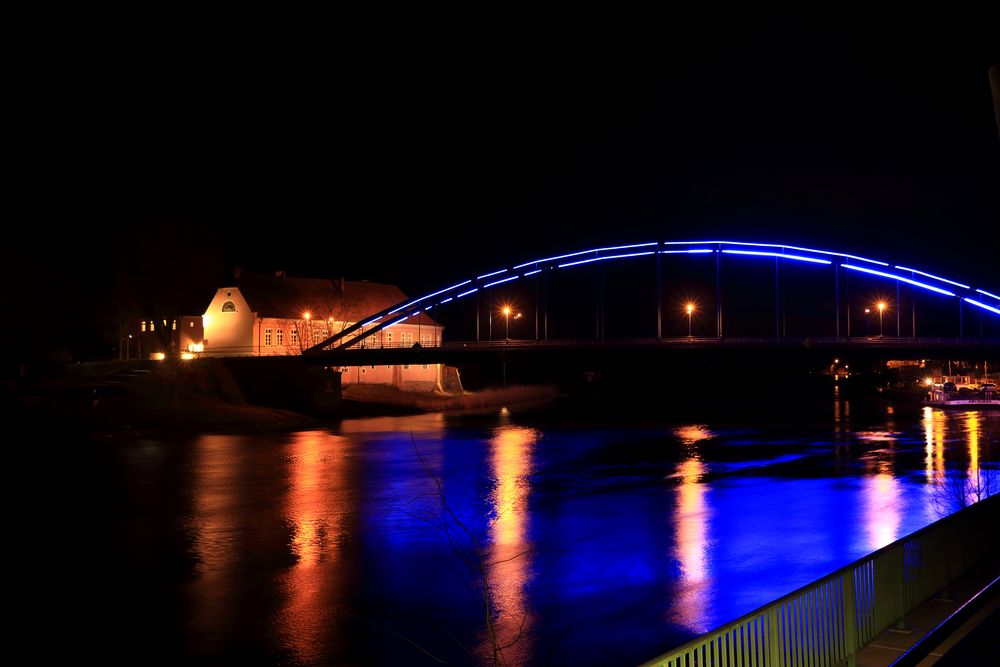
x=689 y=309
x=881 y=309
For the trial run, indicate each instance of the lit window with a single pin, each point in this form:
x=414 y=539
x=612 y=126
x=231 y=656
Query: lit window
x=229 y=307
x=280 y=337
x=152 y=325
x=267 y=337
x=295 y=336
x=191 y=324
x=173 y=325
x=406 y=338
x=143 y=324
x=426 y=339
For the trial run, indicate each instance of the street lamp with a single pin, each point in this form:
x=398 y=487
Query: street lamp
x=506 y=316
x=689 y=309
x=881 y=309
x=868 y=322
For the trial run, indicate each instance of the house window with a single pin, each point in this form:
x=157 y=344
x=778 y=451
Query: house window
x=143 y=325
x=406 y=338
x=406 y=367
x=280 y=337
x=424 y=367
x=173 y=325
x=364 y=371
x=387 y=338
x=295 y=336
x=426 y=339
x=229 y=307
x=152 y=325
x=267 y=337
x=191 y=324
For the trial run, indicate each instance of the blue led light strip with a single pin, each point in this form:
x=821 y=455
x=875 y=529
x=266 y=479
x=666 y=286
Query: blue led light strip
x=585 y=252
x=778 y=245
x=798 y=258
x=531 y=273
x=426 y=296
x=983 y=305
x=982 y=291
x=487 y=275
x=497 y=282
x=895 y=277
x=392 y=324
x=697 y=251
x=931 y=275
x=601 y=259
x=474 y=289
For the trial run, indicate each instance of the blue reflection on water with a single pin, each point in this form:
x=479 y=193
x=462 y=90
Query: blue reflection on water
x=389 y=539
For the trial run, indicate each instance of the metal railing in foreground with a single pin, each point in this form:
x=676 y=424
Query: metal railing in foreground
x=825 y=623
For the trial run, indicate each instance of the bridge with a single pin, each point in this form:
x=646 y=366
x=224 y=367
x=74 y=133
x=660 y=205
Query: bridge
x=691 y=298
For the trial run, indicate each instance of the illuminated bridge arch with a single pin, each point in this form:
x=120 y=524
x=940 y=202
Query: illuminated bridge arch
x=943 y=287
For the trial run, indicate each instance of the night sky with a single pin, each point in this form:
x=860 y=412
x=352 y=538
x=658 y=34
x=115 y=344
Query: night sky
x=417 y=157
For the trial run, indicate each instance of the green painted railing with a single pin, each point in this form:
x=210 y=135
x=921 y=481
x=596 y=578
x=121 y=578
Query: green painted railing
x=823 y=624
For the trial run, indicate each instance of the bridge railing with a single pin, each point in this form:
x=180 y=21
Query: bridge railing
x=828 y=621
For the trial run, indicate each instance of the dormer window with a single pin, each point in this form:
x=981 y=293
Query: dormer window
x=229 y=307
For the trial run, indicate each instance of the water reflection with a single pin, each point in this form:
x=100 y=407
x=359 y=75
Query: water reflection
x=691 y=543
x=316 y=507
x=510 y=558
x=882 y=506
x=220 y=540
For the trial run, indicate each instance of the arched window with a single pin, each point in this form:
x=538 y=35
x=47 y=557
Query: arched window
x=229 y=307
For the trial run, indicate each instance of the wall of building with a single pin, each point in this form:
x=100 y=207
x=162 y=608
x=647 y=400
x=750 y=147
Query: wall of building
x=228 y=324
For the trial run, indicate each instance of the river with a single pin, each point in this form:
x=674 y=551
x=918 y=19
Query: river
x=583 y=540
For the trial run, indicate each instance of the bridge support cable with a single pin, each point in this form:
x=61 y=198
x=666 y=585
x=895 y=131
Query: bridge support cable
x=659 y=293
x=836 y=293
x=898 y=306
x=718 y=293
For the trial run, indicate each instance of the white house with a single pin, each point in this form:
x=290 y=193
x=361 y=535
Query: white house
x=268 y=315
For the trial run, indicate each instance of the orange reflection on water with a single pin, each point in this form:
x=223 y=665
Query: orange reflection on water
x=882 y=514
x=934 y=422
x=315 y=510
x=975 y=487
x=691 y=538
x=509 y=570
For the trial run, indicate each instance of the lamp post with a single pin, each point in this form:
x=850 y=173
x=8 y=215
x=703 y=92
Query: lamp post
x=128 y=347
x=868 y=322
x=506 y=316
x=881 y=309
x=689 y=309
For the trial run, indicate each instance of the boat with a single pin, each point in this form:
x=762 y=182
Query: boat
x=938 y=397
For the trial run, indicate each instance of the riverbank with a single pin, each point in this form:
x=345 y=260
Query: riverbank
x=136 y=397
x=365 y=399
x=174 y=396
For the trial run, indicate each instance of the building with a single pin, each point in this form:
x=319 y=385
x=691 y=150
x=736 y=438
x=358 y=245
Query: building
x=274 y=315
x=158 y=337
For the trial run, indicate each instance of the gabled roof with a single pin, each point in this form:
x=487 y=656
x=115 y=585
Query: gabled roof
x=289 y=297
